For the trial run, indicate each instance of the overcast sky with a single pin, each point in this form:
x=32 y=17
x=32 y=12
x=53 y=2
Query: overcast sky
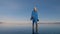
x=20 y=10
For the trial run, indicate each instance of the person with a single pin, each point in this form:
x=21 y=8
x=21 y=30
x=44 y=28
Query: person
x=34 y=18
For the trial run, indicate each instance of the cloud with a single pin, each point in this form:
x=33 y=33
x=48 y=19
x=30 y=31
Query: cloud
x=9 y=19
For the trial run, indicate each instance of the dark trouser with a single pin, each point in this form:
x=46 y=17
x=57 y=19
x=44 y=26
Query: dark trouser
x=35 y=28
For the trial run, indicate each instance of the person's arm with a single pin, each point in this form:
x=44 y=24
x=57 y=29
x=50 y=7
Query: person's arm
x=37 y=17
x=31 y=16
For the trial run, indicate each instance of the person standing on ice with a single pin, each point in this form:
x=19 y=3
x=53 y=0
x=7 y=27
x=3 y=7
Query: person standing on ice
x=34 y=18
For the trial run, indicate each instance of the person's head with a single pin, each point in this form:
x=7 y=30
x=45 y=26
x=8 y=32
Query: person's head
x=35 y=9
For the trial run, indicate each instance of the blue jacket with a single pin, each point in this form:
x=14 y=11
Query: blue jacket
x=34 y=16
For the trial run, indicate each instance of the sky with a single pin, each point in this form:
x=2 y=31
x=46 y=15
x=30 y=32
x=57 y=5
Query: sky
x=18 y=11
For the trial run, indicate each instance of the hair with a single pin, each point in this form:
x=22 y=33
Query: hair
x=35 y=9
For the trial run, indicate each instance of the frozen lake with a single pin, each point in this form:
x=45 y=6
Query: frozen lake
x=27 y=29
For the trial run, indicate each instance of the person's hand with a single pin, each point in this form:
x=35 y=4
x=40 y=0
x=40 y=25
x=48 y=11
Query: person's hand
x=31 y=18
x=37 y=19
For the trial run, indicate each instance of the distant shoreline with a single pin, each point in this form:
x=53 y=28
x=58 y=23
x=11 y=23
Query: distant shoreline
x=48 y=23
x=29 y=23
